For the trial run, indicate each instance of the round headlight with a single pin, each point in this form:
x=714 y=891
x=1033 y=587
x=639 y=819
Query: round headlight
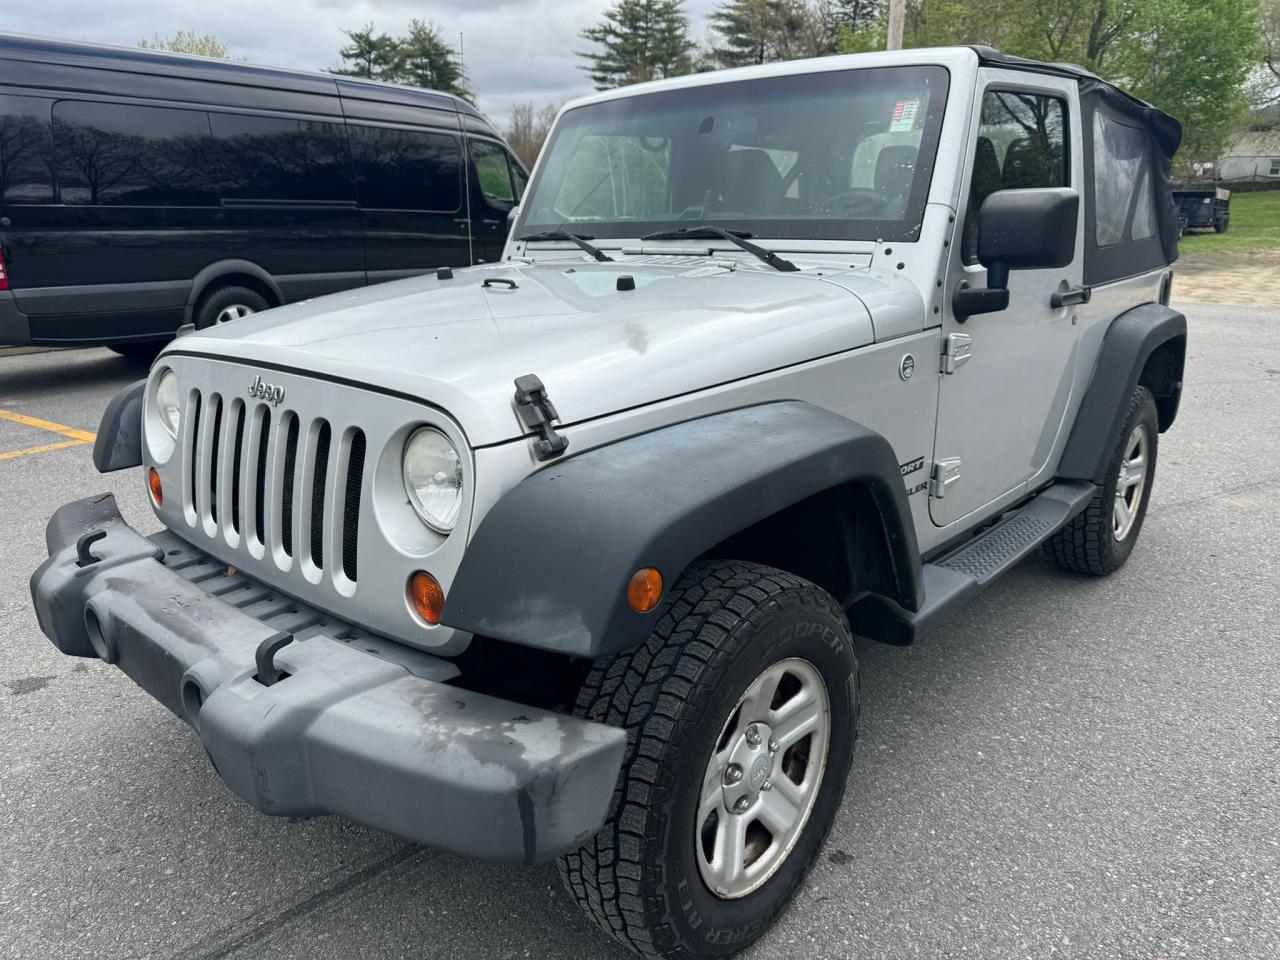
x=167 y=402
x=433 y=478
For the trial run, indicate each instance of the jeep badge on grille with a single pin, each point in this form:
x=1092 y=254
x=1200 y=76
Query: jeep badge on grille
x=260 y=390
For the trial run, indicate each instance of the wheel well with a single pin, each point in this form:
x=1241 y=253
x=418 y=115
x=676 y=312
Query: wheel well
x=1162 y=375
x=835 y=539
x=238 y=280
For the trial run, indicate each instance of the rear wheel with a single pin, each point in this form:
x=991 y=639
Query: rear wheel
x=225 y=304
x=742 y=709
x=1100 y=540
x=146 y=350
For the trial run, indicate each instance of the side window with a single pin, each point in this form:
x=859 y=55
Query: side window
x=26 y=151
x=521 y=181
x=1022 y=142
x=493 y=173
x=1121 y=181
x=408 y=169
x=120 y=154
x=274 y=158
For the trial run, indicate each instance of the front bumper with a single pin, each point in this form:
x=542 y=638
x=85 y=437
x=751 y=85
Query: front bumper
x=349 y=731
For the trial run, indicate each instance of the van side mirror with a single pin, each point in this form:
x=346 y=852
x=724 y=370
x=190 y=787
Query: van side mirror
x=1019 y=230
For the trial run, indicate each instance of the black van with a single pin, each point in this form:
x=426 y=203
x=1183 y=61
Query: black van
x=140 y=191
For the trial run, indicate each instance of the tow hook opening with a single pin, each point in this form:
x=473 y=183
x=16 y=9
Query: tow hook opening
x=192 y=699
x=98 y=637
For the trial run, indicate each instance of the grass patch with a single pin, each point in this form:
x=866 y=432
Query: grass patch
x=1255 y=225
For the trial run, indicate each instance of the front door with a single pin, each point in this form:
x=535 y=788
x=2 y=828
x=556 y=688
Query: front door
x=1000 y=412
x=496 y=189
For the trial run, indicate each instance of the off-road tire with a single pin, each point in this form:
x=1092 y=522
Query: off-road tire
x=218 y=299
x=1088 y=544
x=723 y=623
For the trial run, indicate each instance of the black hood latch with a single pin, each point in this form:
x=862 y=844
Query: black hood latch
x=537 y=411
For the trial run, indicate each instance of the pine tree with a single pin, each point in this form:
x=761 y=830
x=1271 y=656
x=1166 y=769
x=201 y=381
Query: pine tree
x=639 y=40
x=426 y=60
x=763 y=31
x=369 y=55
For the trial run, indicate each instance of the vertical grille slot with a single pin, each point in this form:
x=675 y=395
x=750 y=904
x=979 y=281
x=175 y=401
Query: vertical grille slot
x=214 y=450
x=237 y=457
x=193 y=458
x=260 y=492
x=318 y=479
x=286 y=506
x=351 y=505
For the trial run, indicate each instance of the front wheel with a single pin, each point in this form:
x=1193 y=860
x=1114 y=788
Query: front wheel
x=742 y=709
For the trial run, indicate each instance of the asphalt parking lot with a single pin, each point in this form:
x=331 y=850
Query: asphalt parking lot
x=1066 y=768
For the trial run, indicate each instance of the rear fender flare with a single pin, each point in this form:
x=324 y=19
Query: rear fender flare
x=1143 y=346
x=549 y=564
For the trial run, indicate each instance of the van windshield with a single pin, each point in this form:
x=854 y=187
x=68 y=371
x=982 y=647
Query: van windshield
x=844 y=155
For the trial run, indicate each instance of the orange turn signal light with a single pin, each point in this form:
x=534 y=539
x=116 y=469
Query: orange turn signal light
x=155 y=486
x=427 y=596
x=645 y=590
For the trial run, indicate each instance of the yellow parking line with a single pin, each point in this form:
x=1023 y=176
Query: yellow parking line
x=84 y=436
x=14 y=454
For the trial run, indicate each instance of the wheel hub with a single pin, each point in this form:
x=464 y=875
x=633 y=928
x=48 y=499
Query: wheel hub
x=750 y=770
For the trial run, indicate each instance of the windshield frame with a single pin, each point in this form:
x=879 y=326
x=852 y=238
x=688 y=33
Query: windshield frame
x=813 y=229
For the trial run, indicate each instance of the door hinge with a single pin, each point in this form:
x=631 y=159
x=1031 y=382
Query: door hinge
x=537 y=411
x=945 y=473
x=955 y=351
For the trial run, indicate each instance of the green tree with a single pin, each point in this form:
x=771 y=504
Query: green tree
x=427 y=60
x=187 y=41
x=757 y=31
x=638 y=40
x=1265 y=87
x=373 y=56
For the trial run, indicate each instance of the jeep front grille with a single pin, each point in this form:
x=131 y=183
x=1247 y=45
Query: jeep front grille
x=236 y=472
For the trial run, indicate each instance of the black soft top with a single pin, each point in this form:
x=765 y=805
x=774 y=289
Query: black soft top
x=1166 y=132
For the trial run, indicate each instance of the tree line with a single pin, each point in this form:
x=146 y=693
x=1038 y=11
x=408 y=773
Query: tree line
x=1206 y=62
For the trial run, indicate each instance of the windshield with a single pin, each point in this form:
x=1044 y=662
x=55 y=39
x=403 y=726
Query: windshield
x=845 y=155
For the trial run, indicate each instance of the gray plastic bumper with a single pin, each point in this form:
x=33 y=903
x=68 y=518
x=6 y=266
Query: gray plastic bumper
x=346 y=732
x=14 y=327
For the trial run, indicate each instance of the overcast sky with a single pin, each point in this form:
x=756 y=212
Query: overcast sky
x=514 y=49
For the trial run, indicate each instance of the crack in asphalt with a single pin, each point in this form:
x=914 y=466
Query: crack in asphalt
x=263 y=923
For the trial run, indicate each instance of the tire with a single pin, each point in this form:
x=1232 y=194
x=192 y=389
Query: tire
x=1096 y=542
x=146 y=350
x=1220 y=225
x=727 y=628
x=222 y=304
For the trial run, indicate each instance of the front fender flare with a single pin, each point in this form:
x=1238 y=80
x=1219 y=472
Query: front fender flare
x=549 y=564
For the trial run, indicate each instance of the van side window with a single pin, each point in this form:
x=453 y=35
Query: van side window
x=493 y=173
x=120 y=154
x=26 y=151
x=1121 y=181
x=273 y=158
x=407 y=169
x=1021 y=143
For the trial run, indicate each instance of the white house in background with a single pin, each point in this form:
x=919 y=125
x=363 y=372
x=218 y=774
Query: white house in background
x=1254 y=154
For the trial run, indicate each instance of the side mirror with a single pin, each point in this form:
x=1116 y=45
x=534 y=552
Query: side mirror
x=512 y=214
x=1019 y=230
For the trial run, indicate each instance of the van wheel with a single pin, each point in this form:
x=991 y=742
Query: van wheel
x=742 y=710
x=1100 y=540
x=224 y=304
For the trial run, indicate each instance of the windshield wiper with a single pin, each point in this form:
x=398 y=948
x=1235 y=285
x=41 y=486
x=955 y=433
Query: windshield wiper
x=736 y=237
x=577 y=238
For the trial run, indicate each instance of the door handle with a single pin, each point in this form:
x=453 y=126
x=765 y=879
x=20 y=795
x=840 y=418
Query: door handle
x=492 y=223
x=1068 y=296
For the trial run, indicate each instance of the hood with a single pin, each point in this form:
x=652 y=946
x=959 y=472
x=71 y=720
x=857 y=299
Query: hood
x=460 y=344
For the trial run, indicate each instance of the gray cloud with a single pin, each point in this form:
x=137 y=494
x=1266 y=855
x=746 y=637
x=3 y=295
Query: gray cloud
x=514 y=49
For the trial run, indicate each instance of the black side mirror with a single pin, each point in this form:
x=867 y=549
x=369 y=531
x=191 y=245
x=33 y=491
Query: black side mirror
x=1019 y=230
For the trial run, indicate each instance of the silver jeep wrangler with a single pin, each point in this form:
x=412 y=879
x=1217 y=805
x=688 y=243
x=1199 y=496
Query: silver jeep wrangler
x=563 y=556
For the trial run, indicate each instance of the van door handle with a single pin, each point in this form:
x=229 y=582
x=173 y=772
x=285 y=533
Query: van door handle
x=1068 y=296
x=493 y=223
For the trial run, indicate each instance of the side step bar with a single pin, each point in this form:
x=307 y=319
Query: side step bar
x=956 y=577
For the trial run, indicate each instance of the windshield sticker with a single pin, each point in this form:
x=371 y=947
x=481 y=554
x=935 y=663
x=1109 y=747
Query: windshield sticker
x=904 y=116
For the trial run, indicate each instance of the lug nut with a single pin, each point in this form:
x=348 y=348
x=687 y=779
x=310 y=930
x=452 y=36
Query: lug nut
x=732 y=774
x=753 y=735
x=773 y=745
x=767 y=785
x=740 y=805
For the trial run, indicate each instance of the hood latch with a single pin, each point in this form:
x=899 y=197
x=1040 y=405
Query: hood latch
x=537 y=411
